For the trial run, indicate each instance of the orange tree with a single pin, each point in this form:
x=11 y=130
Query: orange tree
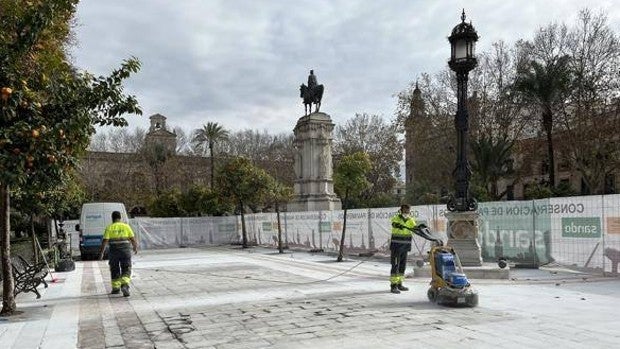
x=349 y=180
x=48 y=109
x=43 y=197
x=243 y=184
x=278 y=194
x=201 y=200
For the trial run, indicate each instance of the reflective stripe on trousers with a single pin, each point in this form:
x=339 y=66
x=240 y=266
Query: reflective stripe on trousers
x=398 y=260
x=120 y=266
x=395 y=279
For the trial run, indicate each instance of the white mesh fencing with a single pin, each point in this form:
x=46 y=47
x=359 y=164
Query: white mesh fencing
x=582 y=231
x=177 y=232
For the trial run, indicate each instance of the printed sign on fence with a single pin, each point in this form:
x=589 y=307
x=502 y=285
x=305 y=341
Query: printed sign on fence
x=515 y=229
x=267 y=226
x=325 y=227
x=613 y=225
x=227 y=227
x=581 y=227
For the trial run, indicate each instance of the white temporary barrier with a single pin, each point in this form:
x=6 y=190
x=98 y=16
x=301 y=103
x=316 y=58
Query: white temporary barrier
x=176 y=232
x=582 y=231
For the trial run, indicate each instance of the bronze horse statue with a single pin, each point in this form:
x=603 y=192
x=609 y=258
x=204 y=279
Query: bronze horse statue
x=310 y=96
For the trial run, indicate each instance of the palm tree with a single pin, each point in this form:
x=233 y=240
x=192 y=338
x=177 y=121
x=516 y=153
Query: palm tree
x=544 y=85
x=208 y=136
x=492 y=161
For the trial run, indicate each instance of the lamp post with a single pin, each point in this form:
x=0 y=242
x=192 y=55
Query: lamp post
x=462 y=60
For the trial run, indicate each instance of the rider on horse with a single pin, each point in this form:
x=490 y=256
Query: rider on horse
x=313 y=93
x=312 y=80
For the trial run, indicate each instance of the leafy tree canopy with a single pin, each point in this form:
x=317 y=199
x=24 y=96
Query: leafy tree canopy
x=48 y=108
x=350 y=175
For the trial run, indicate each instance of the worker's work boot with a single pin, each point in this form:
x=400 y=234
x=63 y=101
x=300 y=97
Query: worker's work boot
x=394 y=289
x=115 y=291
x=402 y=288
x=125 y=289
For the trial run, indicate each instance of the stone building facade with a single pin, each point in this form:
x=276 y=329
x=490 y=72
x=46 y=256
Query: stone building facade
x=133 y=178
x=528 y=161
x=159 y=135
x=532 y=169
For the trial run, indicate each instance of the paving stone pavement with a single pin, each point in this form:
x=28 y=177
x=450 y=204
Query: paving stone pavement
x=230 y=298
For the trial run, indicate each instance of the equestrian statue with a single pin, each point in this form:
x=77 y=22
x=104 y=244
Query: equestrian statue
x=313 y=93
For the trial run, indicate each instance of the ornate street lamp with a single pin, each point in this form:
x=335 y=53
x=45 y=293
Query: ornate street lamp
x=462 y=60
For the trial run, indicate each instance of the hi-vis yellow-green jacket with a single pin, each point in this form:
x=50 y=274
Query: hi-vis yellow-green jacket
x=118 y=234
x=399 y=228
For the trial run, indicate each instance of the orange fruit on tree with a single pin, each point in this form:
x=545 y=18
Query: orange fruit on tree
x=5 y=93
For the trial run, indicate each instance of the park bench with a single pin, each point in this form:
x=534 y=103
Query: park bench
x=27 y=276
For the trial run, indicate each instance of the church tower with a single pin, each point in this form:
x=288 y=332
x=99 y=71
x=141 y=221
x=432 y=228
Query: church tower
x=413 y=123
x=159 y=134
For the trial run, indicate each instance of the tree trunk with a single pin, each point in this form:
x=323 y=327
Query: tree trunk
x=8 y=284
x=49 y=236
x=212 y=166
x=280 y=249
x=244 y=235
x=157 y=180
x=494 y=190
x=548 y=126
x=35 y=255
x=344 y=227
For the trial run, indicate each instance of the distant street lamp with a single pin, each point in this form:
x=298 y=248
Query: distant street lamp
x=462 y=60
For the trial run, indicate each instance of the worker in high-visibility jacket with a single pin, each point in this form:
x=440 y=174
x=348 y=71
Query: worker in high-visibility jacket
x=402 y=226
x=121 y=240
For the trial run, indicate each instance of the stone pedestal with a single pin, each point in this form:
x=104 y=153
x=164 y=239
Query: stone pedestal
x=314 y=187
x=462 y=236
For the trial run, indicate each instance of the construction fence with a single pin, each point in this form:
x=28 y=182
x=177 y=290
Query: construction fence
x=580 y=232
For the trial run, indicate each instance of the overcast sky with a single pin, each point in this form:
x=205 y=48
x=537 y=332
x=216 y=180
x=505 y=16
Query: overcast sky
x=240 y=62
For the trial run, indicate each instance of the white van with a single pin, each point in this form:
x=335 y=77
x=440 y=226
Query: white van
x=95 y=217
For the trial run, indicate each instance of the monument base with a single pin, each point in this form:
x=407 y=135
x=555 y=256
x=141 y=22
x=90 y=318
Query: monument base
x=462 y=236
x=313 y=183
x=314 y=203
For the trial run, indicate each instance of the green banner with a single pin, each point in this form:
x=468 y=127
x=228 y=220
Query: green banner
x=581 y=227
x=267 y=226
x=515 y=230
x=325 y=227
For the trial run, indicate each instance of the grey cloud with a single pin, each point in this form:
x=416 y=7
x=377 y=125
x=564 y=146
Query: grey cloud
x=240 y=63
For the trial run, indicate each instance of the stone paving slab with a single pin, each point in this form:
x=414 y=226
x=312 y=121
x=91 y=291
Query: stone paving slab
x=230 y=298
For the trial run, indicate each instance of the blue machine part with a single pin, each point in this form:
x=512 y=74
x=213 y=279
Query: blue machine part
x=444 y=262
x=458 y=280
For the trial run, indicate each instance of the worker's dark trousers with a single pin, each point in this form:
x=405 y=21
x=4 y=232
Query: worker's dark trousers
x=120 y=265
x=398 y=259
